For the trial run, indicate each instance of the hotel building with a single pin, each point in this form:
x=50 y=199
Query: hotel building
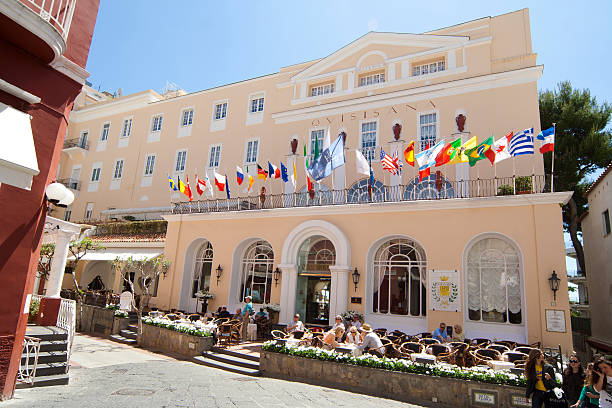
x=410 y=255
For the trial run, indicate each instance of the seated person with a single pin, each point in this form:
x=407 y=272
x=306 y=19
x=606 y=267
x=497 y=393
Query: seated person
x=353 y=337
x=332 y=338
x=458 y=334
x=296 y=327
x=356 y=322
x=370 y=340
x=440 y=333
x=338 y=323
x=261 y=315
x=224 y=312
x=238 y=314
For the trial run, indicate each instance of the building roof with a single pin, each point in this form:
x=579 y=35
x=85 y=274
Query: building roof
x=131 y=238
x=601 y=177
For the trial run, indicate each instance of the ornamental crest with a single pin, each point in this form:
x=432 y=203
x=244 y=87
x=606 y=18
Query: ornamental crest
x=444 y=290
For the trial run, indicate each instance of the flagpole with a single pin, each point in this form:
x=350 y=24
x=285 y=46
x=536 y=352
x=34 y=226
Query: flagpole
x=552 y=166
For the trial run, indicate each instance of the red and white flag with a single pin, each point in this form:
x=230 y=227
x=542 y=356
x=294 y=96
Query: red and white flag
x=389 y=163
x=200 y=184
x=220 y=181
x=500 y=149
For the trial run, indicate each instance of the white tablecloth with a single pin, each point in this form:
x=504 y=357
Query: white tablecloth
x=291 y=342
x=355 y=351
x=423 y=356
x=252 y=331
x=500 y=365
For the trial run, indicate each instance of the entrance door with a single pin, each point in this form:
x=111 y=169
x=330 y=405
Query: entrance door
x=317 y=300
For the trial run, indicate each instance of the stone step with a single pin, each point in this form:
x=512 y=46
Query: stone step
x=53 y=346
x=120 y=339
x=47 y=333
x=47 y=357
x=220 y=350
x=47 y=369
x=225 y=366
x=128 y=334
x=233 y=360
x=133 y=327
x=59 y=379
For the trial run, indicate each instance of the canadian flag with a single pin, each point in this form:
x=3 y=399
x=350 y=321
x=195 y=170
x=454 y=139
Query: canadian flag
x=199 y=185
x=220 y=181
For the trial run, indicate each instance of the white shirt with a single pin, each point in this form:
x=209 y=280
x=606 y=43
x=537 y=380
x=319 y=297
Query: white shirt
x=605 y=399
x=338 y=325
x=352 y=338
x=357 y=324
x=297 y=326
x=372 y=341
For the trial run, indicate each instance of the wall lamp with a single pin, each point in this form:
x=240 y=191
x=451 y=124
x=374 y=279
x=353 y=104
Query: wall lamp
x=355 y=278
x=58 y=194
x=219 y=272
x=277 y=275
x=554 y=284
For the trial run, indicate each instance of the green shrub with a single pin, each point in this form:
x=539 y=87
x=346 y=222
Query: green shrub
x=523 y=183
x=505 y=189
x=34 y=310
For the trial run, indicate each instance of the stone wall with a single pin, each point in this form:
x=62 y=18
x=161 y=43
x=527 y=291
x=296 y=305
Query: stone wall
x=99 y=320
x=169 y=341
x=412 y=388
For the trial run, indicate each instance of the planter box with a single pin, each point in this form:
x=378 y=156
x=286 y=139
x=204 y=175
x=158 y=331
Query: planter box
x=170 y=341
x=100 y=320
x=412 y=388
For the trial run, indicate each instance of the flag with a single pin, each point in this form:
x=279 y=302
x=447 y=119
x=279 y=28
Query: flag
x=461 y=157
x=479 y=152
x=188 y=190
x=181 y=185
x=371 y=179
x=427 y=159
x=261 y=173
x=220 y=181
x=396 y=160
x=362 y=164
x=388 y=163
x=330 y=159
x=548 y=140
x=273 y=171
x=173 y=186
x=251 y=182
x=521 y=143
x=199 y=184
x=210 y=187
x=327 y=139
x=239 y=175
x=499 y=150
x=448 y=153
x=294 y=175
x=409 y=154
x=227 y=187
x=309 y=183
x=316 y=149
x=284 y=174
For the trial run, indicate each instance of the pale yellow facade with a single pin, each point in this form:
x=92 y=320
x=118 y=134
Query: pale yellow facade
x=485 y=70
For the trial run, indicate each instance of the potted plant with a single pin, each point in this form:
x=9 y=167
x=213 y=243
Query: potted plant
x=34 y=310
x=348 y=317
x=505 y=189
x=523 y=185
x=203 y=296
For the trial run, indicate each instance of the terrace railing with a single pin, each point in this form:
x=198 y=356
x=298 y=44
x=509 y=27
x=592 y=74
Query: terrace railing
x=58 y=13
x=71 y=183
x=429 y=189
x=78 y=142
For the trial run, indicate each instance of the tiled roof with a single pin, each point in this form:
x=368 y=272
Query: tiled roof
x=131 y=238
x=602 y=175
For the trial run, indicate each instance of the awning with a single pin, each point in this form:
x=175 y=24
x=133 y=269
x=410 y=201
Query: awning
x=18 y=163
x=138 y=254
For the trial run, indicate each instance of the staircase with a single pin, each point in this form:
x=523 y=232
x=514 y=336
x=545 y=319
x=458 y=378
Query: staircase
x=229 y=360
x=126 y=336
x=52 y=366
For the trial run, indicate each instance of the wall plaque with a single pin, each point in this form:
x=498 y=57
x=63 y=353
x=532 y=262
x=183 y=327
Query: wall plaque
x=519 y=401
x=444 y=290
x=555 y=320
x=482 y=397
x=356 y=300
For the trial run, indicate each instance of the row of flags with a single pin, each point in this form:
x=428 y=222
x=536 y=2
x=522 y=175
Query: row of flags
x=332 y=156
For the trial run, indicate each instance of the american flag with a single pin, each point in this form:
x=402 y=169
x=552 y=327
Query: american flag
x=389 y=163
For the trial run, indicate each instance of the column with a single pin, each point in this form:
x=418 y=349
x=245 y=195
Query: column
x=58 y=263
x=338 y=299
x=288 y=288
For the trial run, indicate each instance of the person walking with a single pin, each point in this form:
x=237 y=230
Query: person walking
x=603 y=383
x=540 y=378
x=247 y=311
x=573 y=379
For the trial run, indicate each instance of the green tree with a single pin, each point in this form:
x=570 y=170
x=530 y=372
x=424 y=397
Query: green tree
x=582 y=145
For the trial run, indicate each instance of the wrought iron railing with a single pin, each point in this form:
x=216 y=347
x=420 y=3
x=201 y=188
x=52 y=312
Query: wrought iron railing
x=431 y=188
x=78 y=142
x=66 y=319
x=58 y=13
x=29 y=360
x=71 y=183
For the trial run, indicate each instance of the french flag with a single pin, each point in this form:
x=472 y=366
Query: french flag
x=548 y=140
x=273 y=170
x=220 y=181
x=239 y=175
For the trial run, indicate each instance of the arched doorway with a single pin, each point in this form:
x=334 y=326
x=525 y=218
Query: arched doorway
x=196 y=274
x=312 y=298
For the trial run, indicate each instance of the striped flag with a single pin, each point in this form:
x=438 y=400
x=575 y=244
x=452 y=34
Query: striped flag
x=388 y=162
x=521 y=143
x=548 y=140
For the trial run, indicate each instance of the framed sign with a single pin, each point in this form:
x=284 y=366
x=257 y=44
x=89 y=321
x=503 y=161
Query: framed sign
x=444 y=290
x=484 y=398
x=555 y=321
x=356 y=300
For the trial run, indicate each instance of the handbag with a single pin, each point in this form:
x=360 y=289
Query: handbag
x=555 y=398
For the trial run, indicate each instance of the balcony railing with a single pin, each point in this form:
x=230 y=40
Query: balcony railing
x=71 y=183
x=431 y=188
x=78 y=143
x=58 y=13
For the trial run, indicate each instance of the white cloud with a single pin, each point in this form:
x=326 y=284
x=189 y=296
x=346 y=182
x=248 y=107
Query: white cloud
x=373 y=24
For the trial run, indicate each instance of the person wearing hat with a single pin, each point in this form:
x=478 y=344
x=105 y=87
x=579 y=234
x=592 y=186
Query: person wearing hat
x=370 y=340
x=247 y=311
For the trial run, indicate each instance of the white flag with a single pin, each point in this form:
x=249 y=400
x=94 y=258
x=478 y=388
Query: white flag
x=362 y=164
x=210 y=187
x=327 y=139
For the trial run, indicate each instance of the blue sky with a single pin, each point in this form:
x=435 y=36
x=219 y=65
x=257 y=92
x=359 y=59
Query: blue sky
x=140 y=45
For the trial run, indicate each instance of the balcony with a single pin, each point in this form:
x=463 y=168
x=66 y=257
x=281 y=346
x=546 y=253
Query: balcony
x=430 y=189
x=72 y=146
x=40 y=27
x=71 y=183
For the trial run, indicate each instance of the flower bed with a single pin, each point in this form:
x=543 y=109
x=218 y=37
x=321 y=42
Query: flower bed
x=178 y=327
x=474 y=373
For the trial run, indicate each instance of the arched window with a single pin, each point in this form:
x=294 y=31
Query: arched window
x=400 y=278
x=430 y=188
x=358 y=193
x=323 y=196
x=202 y=269
x=257 y=265
x=494 y=282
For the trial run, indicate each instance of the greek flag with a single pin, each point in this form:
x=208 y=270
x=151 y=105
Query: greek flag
x=521 y=143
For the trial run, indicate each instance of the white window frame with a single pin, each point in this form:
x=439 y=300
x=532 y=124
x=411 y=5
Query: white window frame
x=374 y=78
x=311 y=146
x=83 y=143
x=67 y=213
x=223 y=113
x=122 y=167
x=322 y=89
x=95 y=173
x=89 y=210
x=176 y=161
x=126 y=133
x=149 y=168
x=419 y=68
x=218 y=161
x=102 y=135
x=156 y=125
x=375 y=156
x=246 y=151
x=261 y=103
x=418 y=128
x=189 y=120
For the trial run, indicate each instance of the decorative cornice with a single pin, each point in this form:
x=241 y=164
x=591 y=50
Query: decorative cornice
x=114 y=107
x=70 y=69
x=18 y=92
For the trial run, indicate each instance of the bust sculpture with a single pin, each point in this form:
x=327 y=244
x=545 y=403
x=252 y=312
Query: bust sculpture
x=460 y=121
x=397 y=129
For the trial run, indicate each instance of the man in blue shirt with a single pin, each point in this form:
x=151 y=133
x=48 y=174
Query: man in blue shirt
x=247 y=311
x=440 y=333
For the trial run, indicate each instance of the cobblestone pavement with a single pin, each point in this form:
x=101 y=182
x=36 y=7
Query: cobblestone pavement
x=107 y=374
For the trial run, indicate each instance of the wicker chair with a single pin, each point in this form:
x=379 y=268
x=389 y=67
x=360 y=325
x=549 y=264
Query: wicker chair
x=172 y=316
x=381 y=332
x=410 y=347
x=508 y=343
x=523 y=349
x=278 y=334
x=481 y=342
x=235 y=333
x=437 y=349
x=455 y=344
x=428 y=341
x=425 y=335
x=224 y=334
x=194 y=317
x=515 y=357
x=459 y=355
x=399 y=333
x=499 y=347
x=316 y=341
x=482 y=356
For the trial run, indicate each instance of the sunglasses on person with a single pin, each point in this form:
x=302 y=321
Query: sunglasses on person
x=574 y=361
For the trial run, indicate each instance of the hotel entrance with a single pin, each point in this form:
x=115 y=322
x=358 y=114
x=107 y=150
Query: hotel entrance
x=314 y=280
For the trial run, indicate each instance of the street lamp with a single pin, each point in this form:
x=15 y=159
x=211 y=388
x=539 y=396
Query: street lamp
x=219 y=272
x=59 y=195
x=355 y=278
x=277 y=275
x=554 y=284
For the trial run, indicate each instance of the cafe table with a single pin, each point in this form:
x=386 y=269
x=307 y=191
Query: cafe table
x=498 y=365
x=349 y=349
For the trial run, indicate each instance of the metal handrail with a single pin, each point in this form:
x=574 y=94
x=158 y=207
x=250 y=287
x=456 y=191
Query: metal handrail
x=27 y=371
x=431 y=188
x=58 y=13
